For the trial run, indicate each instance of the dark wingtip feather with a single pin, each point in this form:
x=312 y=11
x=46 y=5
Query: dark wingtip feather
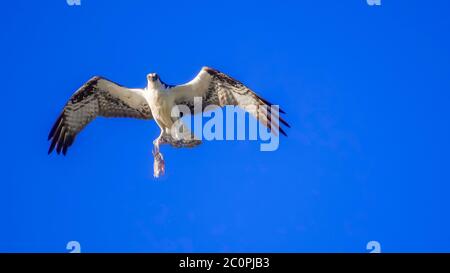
x=269 y=119
x=55 y=126
x=60 y=141
x=64 y=150
x=61 y=137
x=279 y=108
x=52 y=146
x=268 y=103
x=58 y=148
x=284 y=122
x=68 y=140
x=55 y=138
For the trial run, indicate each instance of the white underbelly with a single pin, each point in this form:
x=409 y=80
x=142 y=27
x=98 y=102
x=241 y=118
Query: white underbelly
x=161 y=110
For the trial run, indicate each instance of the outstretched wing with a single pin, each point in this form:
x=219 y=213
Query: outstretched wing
x=217 y=88
x=97 y=97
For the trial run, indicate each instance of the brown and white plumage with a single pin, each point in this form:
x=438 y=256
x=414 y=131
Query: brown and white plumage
x=217 y=88
x=101 y=97
x=97 y=97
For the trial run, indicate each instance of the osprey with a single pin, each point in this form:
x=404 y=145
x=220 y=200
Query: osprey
x=102 y=97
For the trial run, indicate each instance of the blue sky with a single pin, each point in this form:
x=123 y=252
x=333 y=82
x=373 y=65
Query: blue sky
x=366 y=90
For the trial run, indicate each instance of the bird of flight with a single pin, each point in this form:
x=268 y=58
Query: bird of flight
x=102 y=97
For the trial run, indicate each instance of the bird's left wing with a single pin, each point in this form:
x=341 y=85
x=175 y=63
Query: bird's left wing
x=97 y=97
x=217 y=88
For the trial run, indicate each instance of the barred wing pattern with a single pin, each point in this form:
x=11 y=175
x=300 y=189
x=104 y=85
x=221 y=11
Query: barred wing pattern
x=97 y=97
x=217 y=88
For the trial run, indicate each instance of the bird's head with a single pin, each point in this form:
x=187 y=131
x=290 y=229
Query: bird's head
x=152 y=78
x=155 y=82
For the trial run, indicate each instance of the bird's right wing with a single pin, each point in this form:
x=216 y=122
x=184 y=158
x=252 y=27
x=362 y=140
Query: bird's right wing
x=217 y=88
x=97 y=97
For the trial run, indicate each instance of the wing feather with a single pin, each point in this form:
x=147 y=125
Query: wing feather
x=217 y=88
x=97 y=97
